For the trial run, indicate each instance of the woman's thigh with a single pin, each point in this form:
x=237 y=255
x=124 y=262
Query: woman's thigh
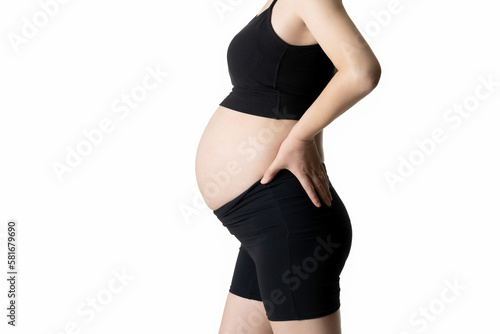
x=329 y=324
x=242 y=315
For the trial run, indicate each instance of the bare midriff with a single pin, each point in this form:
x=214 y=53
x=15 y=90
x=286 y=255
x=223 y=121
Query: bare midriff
x=235 y=150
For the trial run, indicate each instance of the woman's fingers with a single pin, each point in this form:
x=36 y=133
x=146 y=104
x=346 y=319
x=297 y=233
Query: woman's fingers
x=321 y=189
x=306 y=183
x=326 y=182
x=313 y=186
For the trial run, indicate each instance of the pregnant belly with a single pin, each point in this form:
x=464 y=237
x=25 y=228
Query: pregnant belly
x=234 y=151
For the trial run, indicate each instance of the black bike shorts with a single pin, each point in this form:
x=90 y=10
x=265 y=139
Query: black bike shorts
x=292 y=252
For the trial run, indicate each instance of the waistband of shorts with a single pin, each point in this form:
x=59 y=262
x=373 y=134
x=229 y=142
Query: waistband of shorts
x=225 y=208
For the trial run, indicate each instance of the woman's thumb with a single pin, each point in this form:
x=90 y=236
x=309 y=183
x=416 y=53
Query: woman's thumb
x=269 y=174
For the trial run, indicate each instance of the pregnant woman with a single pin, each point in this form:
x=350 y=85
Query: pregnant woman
x=260 y=164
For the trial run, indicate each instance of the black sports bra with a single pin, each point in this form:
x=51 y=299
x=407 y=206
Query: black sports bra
x=270 y=77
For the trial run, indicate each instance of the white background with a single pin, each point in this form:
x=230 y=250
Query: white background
x=132 y=204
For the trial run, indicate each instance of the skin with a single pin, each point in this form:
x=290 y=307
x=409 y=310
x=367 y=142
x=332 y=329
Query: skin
x=358 y=74
x=252 y=314
x=294 y=145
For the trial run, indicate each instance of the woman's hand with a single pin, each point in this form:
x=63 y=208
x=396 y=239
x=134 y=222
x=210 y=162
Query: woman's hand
x=301 y=157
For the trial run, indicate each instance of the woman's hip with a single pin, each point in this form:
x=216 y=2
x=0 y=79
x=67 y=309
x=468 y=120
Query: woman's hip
x=282 y=208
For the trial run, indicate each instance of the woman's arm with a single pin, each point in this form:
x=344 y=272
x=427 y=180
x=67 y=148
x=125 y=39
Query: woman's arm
x=318 y=139
x=358 y=74
x=358 y=69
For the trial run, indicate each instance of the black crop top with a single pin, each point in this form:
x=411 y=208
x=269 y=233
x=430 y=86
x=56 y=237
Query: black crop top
x=270 y=77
